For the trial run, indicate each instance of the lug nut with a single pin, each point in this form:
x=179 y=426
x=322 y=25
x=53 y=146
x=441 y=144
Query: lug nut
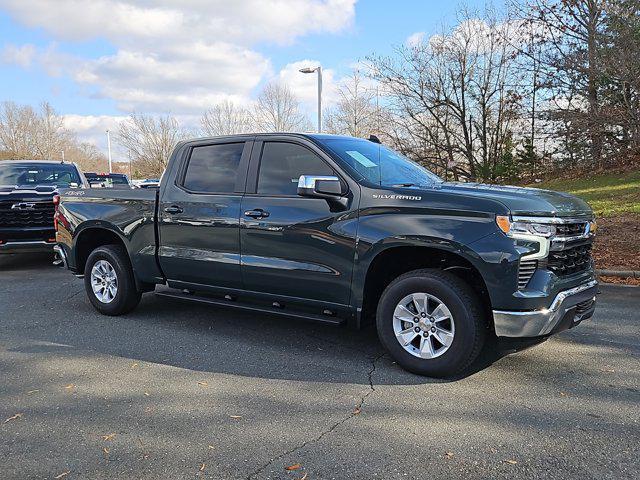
x=416 y=330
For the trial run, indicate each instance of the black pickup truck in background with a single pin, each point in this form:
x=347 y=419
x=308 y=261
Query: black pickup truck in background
x=340 y=230
x=28 y=190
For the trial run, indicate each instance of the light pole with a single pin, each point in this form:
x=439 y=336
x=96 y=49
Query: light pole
x=109 y=149
x=319 y=70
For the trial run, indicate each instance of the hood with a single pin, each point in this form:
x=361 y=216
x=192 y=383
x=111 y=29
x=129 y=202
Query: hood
x=27 y=192
x=524 y=200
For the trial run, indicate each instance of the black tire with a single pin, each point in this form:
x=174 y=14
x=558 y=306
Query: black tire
x=465 y=308
x=127 y=296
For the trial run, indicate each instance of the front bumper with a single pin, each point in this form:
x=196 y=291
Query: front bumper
x=567 y=309
x=26 y=247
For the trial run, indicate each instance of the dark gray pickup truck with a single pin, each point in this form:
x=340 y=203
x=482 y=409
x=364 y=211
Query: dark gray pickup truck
x=340 y=230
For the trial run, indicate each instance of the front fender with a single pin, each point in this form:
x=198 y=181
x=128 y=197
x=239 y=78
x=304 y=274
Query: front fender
x=381 y=229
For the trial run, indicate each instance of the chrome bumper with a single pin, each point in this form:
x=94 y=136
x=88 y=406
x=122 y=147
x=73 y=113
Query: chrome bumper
x=543 y=322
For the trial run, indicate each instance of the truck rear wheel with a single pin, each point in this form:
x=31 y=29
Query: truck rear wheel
x=109 y=281
x=431 y=323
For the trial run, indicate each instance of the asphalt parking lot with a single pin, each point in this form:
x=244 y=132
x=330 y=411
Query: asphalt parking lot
x=176 y=390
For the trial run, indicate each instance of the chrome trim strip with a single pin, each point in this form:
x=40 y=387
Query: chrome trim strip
x=26 y=244
x=541 y=322
x=552 y=220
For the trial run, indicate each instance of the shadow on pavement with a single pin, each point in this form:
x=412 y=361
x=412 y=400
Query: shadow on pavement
x=202 y=338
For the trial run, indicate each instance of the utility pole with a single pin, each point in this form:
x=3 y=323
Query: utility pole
x=109 y=149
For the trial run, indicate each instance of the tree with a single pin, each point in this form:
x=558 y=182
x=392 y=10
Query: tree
x=149 y=141
x=27 y=133
x=277 y=109
x=453 y=98
x=226 y=118
x=355 y=113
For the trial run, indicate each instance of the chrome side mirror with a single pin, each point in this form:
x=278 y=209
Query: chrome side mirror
x=318 y=186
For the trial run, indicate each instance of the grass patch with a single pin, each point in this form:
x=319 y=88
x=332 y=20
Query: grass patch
x=609 y=194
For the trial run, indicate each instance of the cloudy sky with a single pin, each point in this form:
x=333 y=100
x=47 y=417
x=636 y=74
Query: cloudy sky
x=96 y=61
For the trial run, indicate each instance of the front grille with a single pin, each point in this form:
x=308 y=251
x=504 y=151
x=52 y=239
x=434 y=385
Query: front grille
x=525 y=272
x=570 y=260
x=41 y=215
x=571 y=229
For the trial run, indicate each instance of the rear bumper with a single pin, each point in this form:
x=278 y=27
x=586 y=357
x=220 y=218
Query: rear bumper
x=567 y=309
x=26 y=247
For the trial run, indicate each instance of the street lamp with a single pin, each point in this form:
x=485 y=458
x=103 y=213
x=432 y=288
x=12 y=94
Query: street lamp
x=109 y=149
x=319 y=70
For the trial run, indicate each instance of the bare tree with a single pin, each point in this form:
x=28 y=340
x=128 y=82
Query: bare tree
x=453 y=99
x=150 y=141
x=277 y=109
x=355 y=113
x=26 y=133
x=225 y=118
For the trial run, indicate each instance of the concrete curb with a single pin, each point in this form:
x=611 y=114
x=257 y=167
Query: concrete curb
x=619 y=273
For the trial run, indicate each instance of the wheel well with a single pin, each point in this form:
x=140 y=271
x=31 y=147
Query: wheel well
x=89 y=240
x=393 y=262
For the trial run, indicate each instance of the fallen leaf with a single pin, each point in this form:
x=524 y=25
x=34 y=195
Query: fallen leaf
x=236 y=417
x=14 y=417
x=70 y=386
x=63 y=474
x=109 y=436
x=511 y=462
x=202 y=467
x=562 y=394
x=296 y=466
x=211 y=447
x=30 y=392
x=608 y=370
x=357 y=411
x=204 y=384
x=146 y=394
x=303 y=477
x=105 y=450
x=134 y=364
x=448 y=455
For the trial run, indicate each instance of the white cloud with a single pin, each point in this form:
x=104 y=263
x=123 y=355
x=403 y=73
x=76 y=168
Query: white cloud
x=19 y=55
x=172 y=56
x=415 y=39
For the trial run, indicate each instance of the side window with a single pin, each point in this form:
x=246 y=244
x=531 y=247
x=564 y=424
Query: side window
x=213 y=168
x=282 y=164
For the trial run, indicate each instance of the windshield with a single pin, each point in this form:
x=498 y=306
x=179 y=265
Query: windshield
x=379 y=164
x=106 y=180
x=56 y=174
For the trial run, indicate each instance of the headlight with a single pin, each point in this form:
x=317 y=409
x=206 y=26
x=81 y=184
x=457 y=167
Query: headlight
x=512 y=228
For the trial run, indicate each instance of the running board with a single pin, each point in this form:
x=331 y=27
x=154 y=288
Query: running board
x=189 y=297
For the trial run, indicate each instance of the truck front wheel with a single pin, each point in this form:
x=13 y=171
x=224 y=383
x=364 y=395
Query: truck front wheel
x=109 y=281
x=431 y=323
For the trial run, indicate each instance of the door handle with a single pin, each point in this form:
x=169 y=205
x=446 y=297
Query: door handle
x=173 y=209
x=257 y=213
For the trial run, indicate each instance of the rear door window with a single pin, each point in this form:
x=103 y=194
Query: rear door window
x=213 y=168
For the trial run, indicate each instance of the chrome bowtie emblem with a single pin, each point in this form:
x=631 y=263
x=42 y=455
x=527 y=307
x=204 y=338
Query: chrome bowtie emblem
x=23 y=206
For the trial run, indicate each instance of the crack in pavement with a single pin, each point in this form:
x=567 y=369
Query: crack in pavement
x=354 y=412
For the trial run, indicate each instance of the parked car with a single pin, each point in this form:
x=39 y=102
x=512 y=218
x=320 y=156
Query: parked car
x=108 y=180
x=340 y=230
x=148 y=183
x=28 y=191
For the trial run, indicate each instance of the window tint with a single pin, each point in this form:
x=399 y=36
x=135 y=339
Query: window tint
x=213 y=168
x=283 y=163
